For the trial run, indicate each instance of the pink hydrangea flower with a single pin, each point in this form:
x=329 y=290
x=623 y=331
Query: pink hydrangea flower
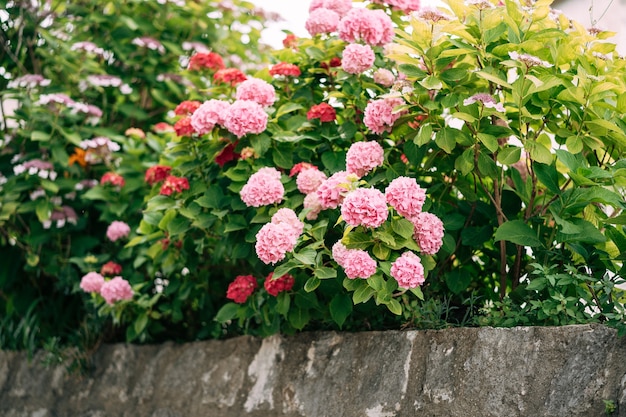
x=257 y=90
x=117 y=230
x=289 y=217
x=116 y=289
x=406 y=196
x=340 y=253
x=357 y=58
x=428 y=232
x=362 y=157
x=245 y=116
x=364 y=206
x=384 y=77
x=379 y=115
x=263 y=188
x=373 y=27
x=359 y=264
x=273 y=241
x=209 y=114
x=408 y=270
x=312 y=204
x=321 y=21
x=332 y=191
x=341 y=7
x=309 y=180
x=91 y=282
x=241 y=288
x=407 y=6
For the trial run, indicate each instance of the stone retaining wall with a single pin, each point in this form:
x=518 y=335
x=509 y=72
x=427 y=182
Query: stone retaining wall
x=566 y=371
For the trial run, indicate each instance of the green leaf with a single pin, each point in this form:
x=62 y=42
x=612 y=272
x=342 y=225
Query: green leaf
x=424 y=136
x=431 y=83
x=325 y=272
x=307 y=256
x=340 y=308
x=287 y=108
x=412 y=70
x=227 y=312
x=43 y=210
x=282 y=158
x=286 y=267
x=140 y=323
x=403 y=227
x=417 y=291
x=494 y=79
x=311 y=284
x=538 y=152
x=178 y=225
x=38 y=135
x=394 y=306
x=458 y=280
x=283 y=301
x=509 y=155
x=363 y=294
x=298 y=318
x=381 y=251
x=574 y=144
x=465 y=162
x=489 y=141
x=518 y=232
x=548 y=176
x=235 y=222
x=446 y=139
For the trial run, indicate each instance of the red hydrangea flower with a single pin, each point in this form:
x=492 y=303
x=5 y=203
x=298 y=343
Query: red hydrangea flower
x=290 y=41
x=203 y=60
x=156 y=174
x=113 y=179
x=299 y=167
x=163 y=127
x=231 y=76
x=187 y=107
x=183 y=127
x=335 y=62
x=323 y=111
x=173 y=185
x=228 y=154
x=286 y=69
x=241 y=288
x=110 y=269
x=275 y=286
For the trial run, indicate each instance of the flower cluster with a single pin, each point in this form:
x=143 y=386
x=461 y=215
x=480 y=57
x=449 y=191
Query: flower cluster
x=187 y=107
x=357 y=58
x=173 y=184
x=365 y=207
x=241 y=288
x=245 y=116
x=206 y=60
x=285 y=69
x=408 y=270
x=362 y=157
x=117 y=230
x=374 y=27
x=380 y=115
x=309 y=180
x=406 y=196
x=112 y=178
x=256 y=90
x=115 y=289
x=278 y=237
x=232 y=76
x=323 y=111
x=157 y=173
x=428 y=232
x=355 y=262
x=322 y=21
x=275 y=286
x=263 y=188
x=209 y=114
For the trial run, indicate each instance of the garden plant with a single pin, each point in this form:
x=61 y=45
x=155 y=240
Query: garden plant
x=403 y=167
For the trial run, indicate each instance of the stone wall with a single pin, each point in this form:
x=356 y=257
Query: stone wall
x=566 y=371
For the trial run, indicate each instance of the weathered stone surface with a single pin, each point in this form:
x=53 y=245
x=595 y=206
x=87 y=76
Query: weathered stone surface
x=527 y=371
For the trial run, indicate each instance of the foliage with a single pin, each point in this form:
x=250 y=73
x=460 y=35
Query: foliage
x=504 y=121
x=76 y=71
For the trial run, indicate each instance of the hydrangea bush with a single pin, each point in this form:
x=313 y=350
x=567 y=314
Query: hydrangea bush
x=403 y=166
